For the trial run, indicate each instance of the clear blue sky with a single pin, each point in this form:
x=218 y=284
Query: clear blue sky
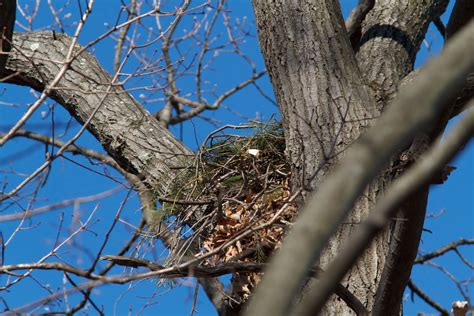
x=454 y=200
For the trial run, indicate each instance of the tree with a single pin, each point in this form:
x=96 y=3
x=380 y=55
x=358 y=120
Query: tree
x=333 y=82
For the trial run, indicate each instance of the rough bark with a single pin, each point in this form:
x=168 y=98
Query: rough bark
x=411 y=181
x=323 y=103
x=325 y=106
x=324 y=99
x=128 y=132
x=463 y=12
x=391 y=37
x=386 y=54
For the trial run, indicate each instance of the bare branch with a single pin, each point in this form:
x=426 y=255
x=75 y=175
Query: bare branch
x=166 y=272
x=426 y=298
x=441 y=251
x=73 y=149
x=401 y=188
x=198 y=107
x=48 y=87
x=62 y=204
x=123 y=35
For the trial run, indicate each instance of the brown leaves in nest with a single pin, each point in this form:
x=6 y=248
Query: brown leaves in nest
x=255 y=247
x=237 y=218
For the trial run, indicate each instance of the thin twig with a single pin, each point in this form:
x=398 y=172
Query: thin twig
x=426 y=298
x=441 y=251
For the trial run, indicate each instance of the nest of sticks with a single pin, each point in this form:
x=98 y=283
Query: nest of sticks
x=236 y=203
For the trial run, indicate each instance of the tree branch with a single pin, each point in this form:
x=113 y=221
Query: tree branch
x=401 y=189
x=144 y=151
x=165 y=272
x=426 y=298
x=441 y=251
x=49 y=208
x=407 y=230
x=391 y=36
x=73 y=149
x=128 y=132
x=463 y=12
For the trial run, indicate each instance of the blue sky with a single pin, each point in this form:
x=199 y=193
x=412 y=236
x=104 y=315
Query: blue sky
x=453 y=202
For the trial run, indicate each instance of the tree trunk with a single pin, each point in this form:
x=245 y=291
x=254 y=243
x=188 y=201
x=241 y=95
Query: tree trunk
x=325 y=103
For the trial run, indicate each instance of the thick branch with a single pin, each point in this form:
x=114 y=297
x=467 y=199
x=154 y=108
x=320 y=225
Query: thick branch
x=440 y=81
x=392 y=33
x=407 y=229
x=462 y=13
x=128 y=132
x=400 y=191
x=316 y=81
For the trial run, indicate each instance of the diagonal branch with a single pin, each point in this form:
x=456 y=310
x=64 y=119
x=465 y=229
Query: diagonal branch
x=426 y=298
x=386 y=209
x=441 y=251
x=406 y=231
x=128 y=132
x=462 y=13
x=144 y=151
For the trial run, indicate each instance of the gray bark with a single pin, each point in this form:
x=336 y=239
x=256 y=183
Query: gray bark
x=325 y=105
x=408 y=184
x=407 y=229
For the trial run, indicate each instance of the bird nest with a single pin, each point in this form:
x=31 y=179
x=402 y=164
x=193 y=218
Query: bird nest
x=236 y=203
